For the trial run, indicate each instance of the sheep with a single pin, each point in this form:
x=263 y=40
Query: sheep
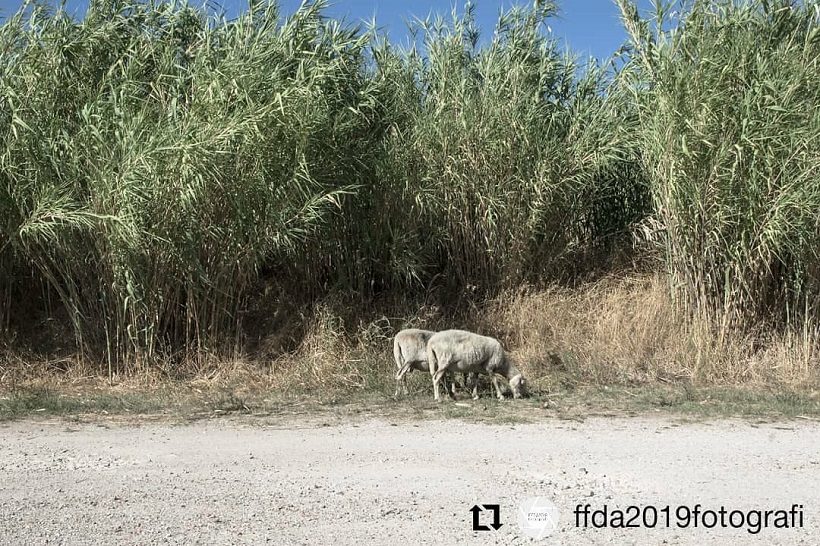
x=466 y=352
x=410 y=353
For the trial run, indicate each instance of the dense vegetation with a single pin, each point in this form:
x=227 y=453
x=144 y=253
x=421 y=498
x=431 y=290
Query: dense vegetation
x=161 y=167
x=730 y=140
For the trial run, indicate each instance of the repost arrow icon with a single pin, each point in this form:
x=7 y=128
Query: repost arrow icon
x=476 y=510
x=496 y=524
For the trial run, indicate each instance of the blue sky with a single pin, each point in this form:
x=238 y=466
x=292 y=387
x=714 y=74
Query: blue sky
x=589 y=27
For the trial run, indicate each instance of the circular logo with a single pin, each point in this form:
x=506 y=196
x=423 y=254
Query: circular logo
x=537 y=517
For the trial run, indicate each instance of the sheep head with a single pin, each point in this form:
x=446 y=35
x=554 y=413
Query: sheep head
x=518 y=385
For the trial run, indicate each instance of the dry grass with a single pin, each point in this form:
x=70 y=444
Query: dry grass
x=626 y=330
x=615 y=331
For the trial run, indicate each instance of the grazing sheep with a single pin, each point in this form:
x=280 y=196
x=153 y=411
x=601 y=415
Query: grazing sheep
x=410 y=353
x=466 y=352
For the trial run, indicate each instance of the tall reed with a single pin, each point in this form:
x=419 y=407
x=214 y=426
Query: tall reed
x=154 y=158
x=160 y=165
x=730 y=137
x=510 y=158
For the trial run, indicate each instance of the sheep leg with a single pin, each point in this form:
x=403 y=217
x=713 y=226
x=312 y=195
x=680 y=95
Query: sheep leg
x=473 y=381
x=452 y=390
x=436 y=380
x=403 y=370
x=401 y=378
x=497 y=387
x=399 y=359
x=437 y=375
x=401 y=384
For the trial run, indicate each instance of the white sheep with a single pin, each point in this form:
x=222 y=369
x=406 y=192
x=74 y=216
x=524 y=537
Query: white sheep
x=410 y=353
x=466 y=352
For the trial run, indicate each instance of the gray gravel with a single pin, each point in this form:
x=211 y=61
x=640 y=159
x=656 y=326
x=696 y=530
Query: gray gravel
x=234 y=481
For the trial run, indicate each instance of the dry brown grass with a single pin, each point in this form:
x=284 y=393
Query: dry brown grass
x=626 y=330
x=615 y=331
x=325 y=360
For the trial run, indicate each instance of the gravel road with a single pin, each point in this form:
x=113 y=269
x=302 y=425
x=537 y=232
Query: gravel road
x=236 y=481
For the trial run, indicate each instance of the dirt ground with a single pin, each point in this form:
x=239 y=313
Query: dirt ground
x=236 y=480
